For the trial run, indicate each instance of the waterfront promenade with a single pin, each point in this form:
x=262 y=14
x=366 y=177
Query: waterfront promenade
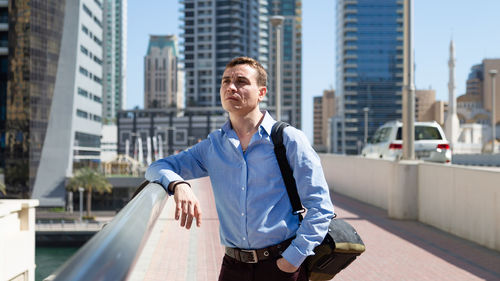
x=396 y=250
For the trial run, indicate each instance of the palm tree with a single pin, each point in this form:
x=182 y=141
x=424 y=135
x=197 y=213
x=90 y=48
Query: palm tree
x=2 y=189
x=90 y=180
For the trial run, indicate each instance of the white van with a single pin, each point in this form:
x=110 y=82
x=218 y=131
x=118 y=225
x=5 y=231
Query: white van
x=430 y=142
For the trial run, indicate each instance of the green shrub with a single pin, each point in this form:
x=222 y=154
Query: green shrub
x=57 y=210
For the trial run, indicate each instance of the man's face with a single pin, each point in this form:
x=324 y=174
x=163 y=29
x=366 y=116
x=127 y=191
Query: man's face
x=239 y=92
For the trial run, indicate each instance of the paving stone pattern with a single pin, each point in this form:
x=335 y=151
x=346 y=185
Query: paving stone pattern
x=396 y=249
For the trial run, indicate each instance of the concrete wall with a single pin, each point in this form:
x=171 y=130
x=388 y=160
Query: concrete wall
x=17 y=239
x=367 y=180
x=461 y=200
x=464 y=201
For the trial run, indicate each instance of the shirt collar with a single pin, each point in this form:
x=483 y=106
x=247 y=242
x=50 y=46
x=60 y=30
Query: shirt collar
x=266 y=124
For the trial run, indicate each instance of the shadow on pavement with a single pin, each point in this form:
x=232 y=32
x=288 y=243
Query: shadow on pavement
x=474 y=258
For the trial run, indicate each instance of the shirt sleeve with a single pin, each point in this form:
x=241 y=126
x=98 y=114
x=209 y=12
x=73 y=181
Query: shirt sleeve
x=185 y=165
x=314 y=195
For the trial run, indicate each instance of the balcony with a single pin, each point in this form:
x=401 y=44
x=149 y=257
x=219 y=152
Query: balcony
x=348 y=20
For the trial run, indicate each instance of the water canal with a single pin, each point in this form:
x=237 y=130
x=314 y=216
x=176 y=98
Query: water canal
x=48 y=259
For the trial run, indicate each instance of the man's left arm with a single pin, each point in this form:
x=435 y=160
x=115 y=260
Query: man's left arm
x=314 y=195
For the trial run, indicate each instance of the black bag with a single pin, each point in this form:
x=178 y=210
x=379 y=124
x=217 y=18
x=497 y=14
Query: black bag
x=342 y=244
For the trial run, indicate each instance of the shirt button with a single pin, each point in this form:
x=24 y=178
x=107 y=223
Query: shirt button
x=242 y=214
x=244 y=238
x=243 y=188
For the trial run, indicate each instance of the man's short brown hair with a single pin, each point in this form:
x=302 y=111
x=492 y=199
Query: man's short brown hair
x=253 y=63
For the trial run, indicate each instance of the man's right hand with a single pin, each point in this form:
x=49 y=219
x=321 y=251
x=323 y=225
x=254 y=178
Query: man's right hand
x=187 y=206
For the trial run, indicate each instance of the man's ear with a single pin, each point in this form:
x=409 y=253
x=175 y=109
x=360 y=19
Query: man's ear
x=262 y=93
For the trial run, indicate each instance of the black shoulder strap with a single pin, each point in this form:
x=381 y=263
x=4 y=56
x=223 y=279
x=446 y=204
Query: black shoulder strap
x=286 y=170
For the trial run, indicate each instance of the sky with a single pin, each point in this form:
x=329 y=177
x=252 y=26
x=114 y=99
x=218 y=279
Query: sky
x=474 y=27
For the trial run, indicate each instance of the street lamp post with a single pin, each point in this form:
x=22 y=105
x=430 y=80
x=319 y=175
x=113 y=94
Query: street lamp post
x=365 y=110
x=493 y=73
x=409 y=93
x=277 y=22
x=80 y=189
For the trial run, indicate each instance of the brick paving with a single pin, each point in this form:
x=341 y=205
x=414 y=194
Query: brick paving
x=396 y=249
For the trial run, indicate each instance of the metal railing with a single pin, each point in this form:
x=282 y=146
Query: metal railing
x=112 y=253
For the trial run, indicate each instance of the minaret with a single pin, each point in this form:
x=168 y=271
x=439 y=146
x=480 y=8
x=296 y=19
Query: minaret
x=452 y=125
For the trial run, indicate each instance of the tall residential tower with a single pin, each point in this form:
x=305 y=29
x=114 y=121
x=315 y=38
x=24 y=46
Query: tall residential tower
x=114 y=94
x=214 y=33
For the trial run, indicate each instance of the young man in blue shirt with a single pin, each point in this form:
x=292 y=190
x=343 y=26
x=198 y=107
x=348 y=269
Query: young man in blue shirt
x=264 y=240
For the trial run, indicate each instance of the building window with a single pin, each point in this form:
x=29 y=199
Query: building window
x=84 y=71
x=98 y=41
x=98 y=3
x=97 y=21
x=83 y=92
x=98 y=80
x=81 y=114
x=180 y=137
x=87 y=10
x=85 y=29
x=84 y=50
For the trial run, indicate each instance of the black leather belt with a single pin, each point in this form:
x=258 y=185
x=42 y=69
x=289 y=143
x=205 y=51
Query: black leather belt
x=254 y=256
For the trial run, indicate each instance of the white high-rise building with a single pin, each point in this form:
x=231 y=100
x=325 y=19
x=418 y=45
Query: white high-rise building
x=87 y=86
x=73 y=134
x=115 y=58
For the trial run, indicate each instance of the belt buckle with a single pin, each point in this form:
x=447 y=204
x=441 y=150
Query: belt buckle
x=254 y=256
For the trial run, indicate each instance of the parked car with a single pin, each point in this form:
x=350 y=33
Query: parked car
x=430 y=142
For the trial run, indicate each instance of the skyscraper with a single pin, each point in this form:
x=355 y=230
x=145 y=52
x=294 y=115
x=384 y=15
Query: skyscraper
x=161 y=74
x=217 y=31
x=115 y=59
x=32 y=66
x=214 y=33
x=291 y=60
x=54 y=101
x=369 y=66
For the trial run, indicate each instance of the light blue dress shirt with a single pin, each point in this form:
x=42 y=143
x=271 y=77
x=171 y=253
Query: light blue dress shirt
x=251 y=199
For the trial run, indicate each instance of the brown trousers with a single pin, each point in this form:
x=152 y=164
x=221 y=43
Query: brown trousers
x=267 y=270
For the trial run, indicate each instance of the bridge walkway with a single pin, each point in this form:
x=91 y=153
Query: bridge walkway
x=396 y=250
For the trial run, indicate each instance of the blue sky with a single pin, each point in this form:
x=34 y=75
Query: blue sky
x=473 y=25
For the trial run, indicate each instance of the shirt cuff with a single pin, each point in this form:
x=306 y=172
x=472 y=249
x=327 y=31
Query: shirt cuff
x=294 y=256
x=165 y=180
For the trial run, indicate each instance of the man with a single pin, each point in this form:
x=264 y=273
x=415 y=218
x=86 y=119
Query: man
x=252 y=203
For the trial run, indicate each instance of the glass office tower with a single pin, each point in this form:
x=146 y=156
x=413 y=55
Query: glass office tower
x=34 y=37
x=369 y=67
